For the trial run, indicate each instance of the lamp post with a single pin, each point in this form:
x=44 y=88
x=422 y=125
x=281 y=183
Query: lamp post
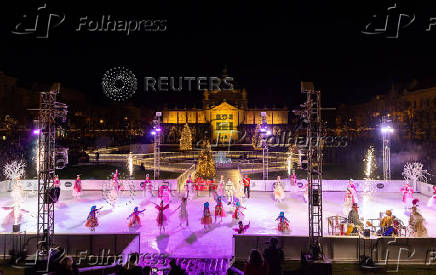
x=386 y=130
x=156 y=133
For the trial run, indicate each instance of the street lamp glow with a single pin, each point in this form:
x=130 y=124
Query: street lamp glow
x=153 y=133
x=387 y=130
x=36 y=131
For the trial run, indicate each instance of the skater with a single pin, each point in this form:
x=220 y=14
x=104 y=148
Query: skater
x=183 y=213
x=189 y=187
x=279 y=192
x=148 y=187
x=237 y=214
x=246 y=180
x=283 y=222
x=353 y=191
x=432 y=199
x=134 y=219
x=91 y=220
x=161 y=218
x=206 y=220
x=230 y=190
x=164 y=193
x=220 y=188
x=241 y=227
x=239 y=190
x=348 y=201
x=77 y=189
x=219 y=210
x=293 y=178
x=407 y=196
x=115 y=181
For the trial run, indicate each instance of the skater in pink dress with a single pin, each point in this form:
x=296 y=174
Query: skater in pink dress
x=91 y=220
x=161 y=218
x=77 y=189
x=293 y=179
x=57 y=188
x=206 y=220
x=219 y=210
x=348 y=201
x=115 y=182
x=431 y=201
x=353 y=191
x=164 y=193
x=241 y=227
x=407 y=196
x=134 y=219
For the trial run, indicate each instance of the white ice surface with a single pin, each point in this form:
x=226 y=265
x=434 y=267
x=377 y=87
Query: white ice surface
x=70 y=215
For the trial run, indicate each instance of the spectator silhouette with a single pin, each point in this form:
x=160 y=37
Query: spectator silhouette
x=274 y=257
x=175 y=269
x=255 y=265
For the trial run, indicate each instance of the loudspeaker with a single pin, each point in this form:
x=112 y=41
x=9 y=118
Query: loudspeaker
x=52 y=195
x=16 y=228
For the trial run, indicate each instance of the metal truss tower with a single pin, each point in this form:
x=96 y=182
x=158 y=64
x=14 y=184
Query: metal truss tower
x=311 y=115
x=156 y=157
x=265 y=150
x=50 y=112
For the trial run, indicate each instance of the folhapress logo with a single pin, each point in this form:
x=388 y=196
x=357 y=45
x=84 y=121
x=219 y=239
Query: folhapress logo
x=40 y=23
x=43 y=20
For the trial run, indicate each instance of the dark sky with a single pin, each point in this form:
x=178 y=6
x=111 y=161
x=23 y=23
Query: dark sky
x=269 y=47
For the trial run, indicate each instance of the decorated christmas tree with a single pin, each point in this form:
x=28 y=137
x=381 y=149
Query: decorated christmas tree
x=206 y=164
x=256 y=140
x=186 y=139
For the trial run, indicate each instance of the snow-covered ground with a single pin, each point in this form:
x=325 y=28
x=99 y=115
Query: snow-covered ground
x=193 y=241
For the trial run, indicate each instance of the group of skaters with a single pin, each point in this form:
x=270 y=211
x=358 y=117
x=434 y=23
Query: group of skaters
x=389 y=223
x=229 y=194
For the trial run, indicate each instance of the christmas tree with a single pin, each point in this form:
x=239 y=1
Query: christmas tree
x=186 y=139
x=206 y=164
x=256 y=140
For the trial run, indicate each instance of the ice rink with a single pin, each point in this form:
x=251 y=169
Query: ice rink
x=193 y=241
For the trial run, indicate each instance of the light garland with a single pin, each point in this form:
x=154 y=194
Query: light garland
x=119 y=84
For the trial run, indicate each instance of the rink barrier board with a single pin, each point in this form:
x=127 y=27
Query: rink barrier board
x=345 y=249
x=256 y=185
x=74 y=243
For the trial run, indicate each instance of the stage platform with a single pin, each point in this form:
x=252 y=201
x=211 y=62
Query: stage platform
x=194 y=241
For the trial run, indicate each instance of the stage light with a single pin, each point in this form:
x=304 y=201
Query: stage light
x=158 y=129
x=36 y=131
x=153 y=133
x=387 y=130
x=268 y=133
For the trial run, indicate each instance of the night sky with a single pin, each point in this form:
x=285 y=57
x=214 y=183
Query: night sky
x=268 y=47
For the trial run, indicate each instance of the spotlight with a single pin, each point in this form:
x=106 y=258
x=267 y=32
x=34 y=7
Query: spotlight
x=153 y=133
x=36 y=131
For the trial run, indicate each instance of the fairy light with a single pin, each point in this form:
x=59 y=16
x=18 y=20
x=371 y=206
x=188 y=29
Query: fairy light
x=368 y=186
x=130 y=163
x=289 y=164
